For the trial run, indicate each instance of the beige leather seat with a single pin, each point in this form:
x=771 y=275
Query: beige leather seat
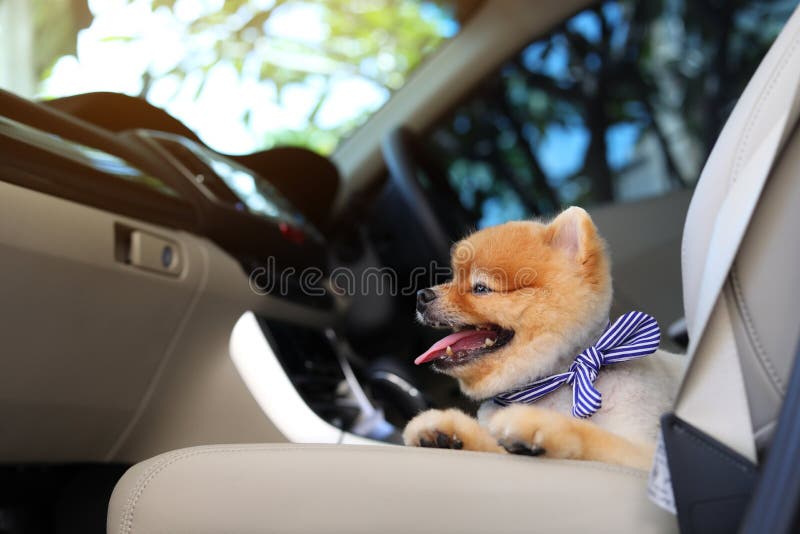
x=308 y=488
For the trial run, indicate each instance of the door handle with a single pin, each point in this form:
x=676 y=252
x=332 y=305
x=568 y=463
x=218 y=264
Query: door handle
x=148 y=251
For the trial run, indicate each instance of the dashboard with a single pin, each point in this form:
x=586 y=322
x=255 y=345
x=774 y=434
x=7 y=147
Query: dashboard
x=264 y=210
x=166 y=179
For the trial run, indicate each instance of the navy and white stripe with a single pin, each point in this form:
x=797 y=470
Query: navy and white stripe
x=633 y=335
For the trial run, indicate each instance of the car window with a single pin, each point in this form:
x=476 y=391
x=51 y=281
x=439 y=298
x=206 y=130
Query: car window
x=621 y=102
x=243 y=74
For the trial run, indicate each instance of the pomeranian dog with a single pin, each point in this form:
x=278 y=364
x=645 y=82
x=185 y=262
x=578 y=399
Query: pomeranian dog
x=525 y=300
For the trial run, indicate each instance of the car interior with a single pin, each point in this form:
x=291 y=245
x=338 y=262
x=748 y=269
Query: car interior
x=199 y=341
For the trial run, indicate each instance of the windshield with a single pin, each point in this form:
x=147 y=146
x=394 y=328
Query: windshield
x=243 y=74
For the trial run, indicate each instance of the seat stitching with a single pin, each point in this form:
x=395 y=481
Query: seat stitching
x=126 y=522
x=752 y=334
x=744 y=141
x=140 y=480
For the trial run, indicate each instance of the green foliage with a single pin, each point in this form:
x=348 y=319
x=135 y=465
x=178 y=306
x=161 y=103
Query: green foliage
x=55 y=25
x=378 y=40
x=668 y=72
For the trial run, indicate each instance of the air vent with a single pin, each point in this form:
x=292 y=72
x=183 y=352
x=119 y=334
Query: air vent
x=309 y=359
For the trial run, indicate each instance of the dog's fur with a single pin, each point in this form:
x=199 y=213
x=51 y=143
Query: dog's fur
x=551 y=285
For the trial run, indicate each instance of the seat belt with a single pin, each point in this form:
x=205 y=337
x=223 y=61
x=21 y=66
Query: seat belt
x=712 y=398
x=713 y=361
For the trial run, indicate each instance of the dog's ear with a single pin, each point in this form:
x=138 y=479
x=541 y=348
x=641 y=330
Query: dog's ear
x=573 y=232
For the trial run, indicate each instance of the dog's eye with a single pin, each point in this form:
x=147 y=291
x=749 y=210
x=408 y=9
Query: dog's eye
x=480 y=289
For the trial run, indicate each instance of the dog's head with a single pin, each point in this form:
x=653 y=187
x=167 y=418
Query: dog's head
x=525 y=298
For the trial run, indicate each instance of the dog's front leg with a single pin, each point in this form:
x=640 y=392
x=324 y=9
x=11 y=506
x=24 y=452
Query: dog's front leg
x=449 y=429
x=523 y=429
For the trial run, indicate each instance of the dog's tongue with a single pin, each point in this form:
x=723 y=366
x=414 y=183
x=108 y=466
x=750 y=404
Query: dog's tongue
x=463 y=340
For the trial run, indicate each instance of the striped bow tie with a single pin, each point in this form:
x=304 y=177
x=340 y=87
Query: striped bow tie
x=633 y=335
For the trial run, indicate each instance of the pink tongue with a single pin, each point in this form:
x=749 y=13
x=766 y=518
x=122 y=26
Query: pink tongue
x=465 y=339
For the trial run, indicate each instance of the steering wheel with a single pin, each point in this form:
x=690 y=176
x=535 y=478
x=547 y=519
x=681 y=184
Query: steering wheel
x=421 y=183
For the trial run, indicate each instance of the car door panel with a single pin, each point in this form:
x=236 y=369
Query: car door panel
x=82 y=332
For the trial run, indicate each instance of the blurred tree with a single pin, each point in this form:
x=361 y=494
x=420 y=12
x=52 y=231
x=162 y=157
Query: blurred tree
x=319 y=66
x=623 y=100
x=56 y=22
x=379 y=41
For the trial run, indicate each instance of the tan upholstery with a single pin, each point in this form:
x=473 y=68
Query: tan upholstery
x=763 y=287
x=352 y=489
x=263 y=488
x=764 y=279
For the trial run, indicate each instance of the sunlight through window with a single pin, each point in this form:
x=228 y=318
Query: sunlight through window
x=248 y=74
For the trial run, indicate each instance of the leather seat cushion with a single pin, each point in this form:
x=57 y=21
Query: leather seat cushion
x=325 y=488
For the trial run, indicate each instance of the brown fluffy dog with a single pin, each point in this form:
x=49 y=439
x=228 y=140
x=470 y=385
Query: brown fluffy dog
x=525 y=299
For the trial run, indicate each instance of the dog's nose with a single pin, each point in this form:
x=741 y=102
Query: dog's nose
x=424 y=296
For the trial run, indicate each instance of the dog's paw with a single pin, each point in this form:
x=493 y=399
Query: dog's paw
x=535 y=431
x=448 y=429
